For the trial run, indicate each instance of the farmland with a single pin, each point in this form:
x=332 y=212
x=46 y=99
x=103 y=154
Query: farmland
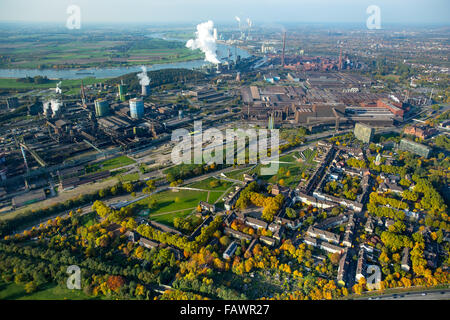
x=102 y=49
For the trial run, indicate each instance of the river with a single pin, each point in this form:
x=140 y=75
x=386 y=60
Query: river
x=222 y=52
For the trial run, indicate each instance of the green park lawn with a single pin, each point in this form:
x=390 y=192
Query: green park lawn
x=205 y=184
x=110 y=164
x=168 y=201
x=237 y=174
x=169 y=217
x=294 y=167
x=214 y=196
x=13 y=291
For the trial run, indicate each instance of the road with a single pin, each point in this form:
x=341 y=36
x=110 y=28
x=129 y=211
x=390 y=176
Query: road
x=442 y=294
x=125 y=198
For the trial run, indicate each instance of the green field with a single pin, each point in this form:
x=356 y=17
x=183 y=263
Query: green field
x=214 y=196
x=44 y=50
x=66 y=85
x=205 y=184
x=168 y=201
x=169 y=217
x=237 y=174
x=129 y=177
x=294 y=167
x=13 y=291
x=110 y=164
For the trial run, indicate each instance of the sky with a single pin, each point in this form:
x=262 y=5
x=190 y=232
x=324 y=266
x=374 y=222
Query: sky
x=260 y=11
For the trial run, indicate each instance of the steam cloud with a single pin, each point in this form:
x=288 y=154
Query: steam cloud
x=239 y=21
x=144 y=80
x=205 y=41
x=55 y=105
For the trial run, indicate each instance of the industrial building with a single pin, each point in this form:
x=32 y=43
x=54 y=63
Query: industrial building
x=28 y=198
x=122 y=92
x=137 y=108
x=101 y=108
x=12 y=102
x=322 y=101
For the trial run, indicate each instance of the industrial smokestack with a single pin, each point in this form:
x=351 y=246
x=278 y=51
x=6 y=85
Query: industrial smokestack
x=284 y=50
x=145 y=90
x=144 y=81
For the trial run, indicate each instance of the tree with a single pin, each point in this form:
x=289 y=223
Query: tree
x=30 y=287
x=151 y=184
x=291 y=213
x=115 y=283
x=152 y=204
x=335 y=257
x=214 y=184
x=225 y=241
x=128 y=187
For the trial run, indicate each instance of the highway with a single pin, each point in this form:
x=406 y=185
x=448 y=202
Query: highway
x=439 y=294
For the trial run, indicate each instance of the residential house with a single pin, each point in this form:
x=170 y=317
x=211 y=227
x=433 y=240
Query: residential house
x=149 y=244
x=405 y=260
x=229 y=252
x=269 y=241
x=323 y=235
x=207 y=206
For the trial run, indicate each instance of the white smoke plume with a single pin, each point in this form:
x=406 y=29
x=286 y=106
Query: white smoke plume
x=46 y=107
x=55 y=105
x=238 y=20
x=58 y=88
x=249 y=22
x=144 y=80
x=205 y=41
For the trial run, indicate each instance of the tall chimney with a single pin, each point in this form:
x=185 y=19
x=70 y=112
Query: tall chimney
x=145 y=90
x=284 y=49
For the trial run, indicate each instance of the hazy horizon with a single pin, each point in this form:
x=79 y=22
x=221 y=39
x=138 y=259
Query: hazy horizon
x=400 y=12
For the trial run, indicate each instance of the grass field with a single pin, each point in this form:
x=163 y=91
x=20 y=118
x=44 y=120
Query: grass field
x=237 y=174
x=205 y=184
x=52 y=51
x=169 y=217
x=12 y=291
x=110 y=164
x=169 y=201
x=214 y=196
x=66 y=85
x=290 y=172
x=129 y=177
x=88 y=219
